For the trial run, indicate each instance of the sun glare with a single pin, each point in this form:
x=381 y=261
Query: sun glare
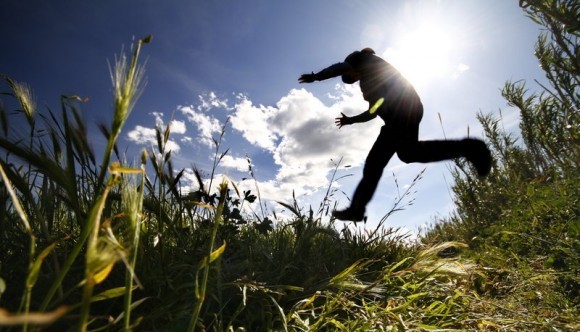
x=426 y=53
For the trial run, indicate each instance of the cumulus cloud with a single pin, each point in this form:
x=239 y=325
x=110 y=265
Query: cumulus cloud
x=147 y=136
x=253 y=122
x=142 y=135
x=177 y=127
x=300 y=134
x=210 y=101
x=206 y=125
x=239 y=164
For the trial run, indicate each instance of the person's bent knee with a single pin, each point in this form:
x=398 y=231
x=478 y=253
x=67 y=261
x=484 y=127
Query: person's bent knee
x=407 y=156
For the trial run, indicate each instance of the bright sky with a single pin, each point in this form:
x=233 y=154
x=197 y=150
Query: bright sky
x=210 y=60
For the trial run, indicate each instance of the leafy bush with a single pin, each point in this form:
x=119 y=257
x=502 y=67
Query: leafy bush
x=528 y=207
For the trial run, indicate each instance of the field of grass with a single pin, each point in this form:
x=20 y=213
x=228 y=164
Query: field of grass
x=90 y=242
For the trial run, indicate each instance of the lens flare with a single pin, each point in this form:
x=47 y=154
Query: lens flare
x=376 y=106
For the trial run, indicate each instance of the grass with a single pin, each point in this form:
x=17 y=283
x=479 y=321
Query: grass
x=111 y=247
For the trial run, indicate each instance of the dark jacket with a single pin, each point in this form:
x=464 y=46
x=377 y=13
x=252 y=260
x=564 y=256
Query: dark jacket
x=378 y=79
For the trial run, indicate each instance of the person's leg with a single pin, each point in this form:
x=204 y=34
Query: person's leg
x=473 y=150
x=379 y=155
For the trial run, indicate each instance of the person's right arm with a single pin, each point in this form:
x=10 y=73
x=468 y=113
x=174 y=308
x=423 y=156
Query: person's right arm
x=337 y=69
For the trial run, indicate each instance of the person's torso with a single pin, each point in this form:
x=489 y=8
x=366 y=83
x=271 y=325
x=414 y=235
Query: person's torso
x=379 y=79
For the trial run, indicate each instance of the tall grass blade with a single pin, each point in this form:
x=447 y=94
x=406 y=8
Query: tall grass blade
x=93 y=259
x=32 y=266
x=201 y=292
x=16 y=202
x=134 y=210
x=36 y=265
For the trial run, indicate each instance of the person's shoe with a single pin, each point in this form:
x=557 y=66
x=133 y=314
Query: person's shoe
x=479 y=155
x=349 y=214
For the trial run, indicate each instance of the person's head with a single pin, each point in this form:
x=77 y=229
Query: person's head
x=353 y=75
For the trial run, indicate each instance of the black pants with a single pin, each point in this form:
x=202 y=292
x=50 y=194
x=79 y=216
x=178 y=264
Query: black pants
x=401 y=135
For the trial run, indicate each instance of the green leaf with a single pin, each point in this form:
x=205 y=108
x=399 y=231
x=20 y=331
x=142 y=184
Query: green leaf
x=401 y=262
x=133 y=306
x=213 y=256
x=110 y=294
x=103 y=273
x=2 y=287
x=35 y=268
x=291 y=208
x=414 y=296
x=349 y=271
x=427 y=327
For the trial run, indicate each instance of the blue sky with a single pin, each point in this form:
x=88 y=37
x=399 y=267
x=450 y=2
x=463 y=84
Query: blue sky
x=213 y=60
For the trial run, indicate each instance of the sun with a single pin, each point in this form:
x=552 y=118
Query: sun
x=426 y=53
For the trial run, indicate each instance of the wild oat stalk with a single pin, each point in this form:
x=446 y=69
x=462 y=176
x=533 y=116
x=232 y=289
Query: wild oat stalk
x=23 y=93
x=399 y=203
x=128 y=84
x=325 y=204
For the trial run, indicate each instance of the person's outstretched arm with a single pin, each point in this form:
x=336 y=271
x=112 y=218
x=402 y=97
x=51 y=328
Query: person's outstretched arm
x=347 y=120
x=329 y=72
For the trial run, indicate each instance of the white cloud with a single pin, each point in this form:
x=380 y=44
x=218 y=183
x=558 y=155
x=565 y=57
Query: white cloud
x=298 y=132
x=206 y=125
x=147 y=136
x=253 y=122
x=171 y=145
x=177 y=127
x=459 y=69
x=158 y=119
x=141 y=135
x=302 y=138
x=239 y=164
x=300 y=135
x=209 y=101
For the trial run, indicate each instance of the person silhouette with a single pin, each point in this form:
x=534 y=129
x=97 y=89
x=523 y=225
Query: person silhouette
x=395 y=101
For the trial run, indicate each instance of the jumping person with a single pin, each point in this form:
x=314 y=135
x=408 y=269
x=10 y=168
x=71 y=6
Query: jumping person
x=394 y=99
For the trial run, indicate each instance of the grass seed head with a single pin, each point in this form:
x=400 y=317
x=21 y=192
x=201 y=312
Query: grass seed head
x=23 y=93
x=128 y=84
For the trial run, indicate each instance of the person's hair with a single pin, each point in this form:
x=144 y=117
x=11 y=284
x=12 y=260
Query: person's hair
x=368 y=50
x=348 y=78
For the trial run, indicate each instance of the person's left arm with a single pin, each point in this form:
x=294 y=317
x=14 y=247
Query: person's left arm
x=348 y=120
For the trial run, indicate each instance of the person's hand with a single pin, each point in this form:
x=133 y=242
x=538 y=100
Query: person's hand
x=307 y=78
x=342 y=121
